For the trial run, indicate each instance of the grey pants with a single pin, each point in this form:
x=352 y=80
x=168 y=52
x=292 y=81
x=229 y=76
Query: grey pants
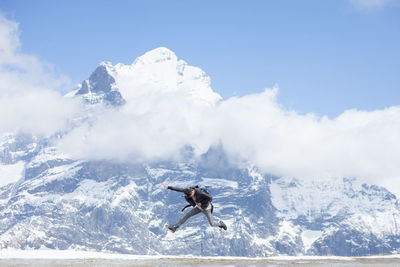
x=196 y=211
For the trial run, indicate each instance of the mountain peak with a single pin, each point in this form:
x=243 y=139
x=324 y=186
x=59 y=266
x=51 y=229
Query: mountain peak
x=160 y=54
x=101 y=87
x=158 y=71
x=106 y=65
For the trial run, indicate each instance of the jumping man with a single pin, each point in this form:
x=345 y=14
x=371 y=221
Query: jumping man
x=200 y=200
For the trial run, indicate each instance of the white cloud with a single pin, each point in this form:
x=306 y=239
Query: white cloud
x=29 y=89
x=156 y=129
x=255 y=127
x=355 y=144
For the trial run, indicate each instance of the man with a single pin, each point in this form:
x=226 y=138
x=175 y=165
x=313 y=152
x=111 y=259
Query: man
x=200 y=200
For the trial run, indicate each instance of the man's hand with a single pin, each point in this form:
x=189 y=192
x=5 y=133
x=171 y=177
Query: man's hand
x=165 y=186
x=198 y=204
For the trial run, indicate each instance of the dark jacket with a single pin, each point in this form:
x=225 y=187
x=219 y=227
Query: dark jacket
x=199 y=196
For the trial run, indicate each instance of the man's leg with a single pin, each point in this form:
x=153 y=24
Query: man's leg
x=191 y=213
x=207 y=212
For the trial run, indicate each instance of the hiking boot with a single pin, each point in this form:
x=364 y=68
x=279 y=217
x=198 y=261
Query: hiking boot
x=172 y=228
x=222 y=225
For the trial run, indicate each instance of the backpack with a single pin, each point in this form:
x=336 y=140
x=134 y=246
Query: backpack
x=203 y=189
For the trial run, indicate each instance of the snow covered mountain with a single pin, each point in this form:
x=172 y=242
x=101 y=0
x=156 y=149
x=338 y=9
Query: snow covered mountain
x=157 y=71
x=52 y=199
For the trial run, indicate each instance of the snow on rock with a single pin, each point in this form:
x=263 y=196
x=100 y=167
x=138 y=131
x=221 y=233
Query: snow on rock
x=309 y=237
x=338 y=209
x=11 y=173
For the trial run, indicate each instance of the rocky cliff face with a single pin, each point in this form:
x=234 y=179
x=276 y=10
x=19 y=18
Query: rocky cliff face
x=101 y=88
x=54 y=200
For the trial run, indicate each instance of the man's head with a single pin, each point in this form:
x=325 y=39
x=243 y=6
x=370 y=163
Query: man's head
x=189 y=191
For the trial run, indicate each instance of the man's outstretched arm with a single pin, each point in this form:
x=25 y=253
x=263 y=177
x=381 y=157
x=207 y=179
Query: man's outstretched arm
x=178 y=189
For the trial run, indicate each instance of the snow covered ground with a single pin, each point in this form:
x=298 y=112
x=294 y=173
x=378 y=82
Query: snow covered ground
x=85 y=258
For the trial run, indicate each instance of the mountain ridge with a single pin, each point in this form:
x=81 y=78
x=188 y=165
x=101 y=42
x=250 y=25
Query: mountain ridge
x=58 y=201
x=157 y=66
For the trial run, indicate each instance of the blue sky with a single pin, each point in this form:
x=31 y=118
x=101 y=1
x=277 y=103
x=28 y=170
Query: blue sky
x=326 y=56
